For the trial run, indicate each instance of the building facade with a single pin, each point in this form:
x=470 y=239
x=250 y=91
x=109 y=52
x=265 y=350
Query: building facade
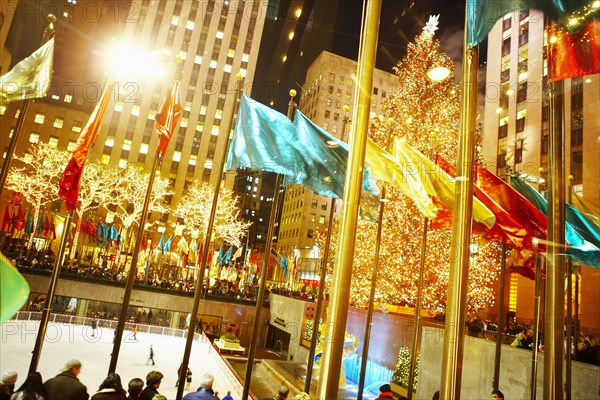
x=517 y=125
x=215 y=40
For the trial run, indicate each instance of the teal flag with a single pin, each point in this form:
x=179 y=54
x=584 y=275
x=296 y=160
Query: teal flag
x=263 y=140
x=161 y=243
x=483 y=14
x=220 y=256
x=29 y=224
x=577 y=233
x=169 y=242
x=326 y=158
x=283 y=263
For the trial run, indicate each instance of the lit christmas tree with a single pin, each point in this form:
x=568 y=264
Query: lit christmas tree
x=426 y=114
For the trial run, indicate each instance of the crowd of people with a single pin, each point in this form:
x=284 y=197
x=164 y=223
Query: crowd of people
x=67 y=386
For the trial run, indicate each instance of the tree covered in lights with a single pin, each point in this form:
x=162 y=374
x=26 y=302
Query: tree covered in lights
x=426 y=114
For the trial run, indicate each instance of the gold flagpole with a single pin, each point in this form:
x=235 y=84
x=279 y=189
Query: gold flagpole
x=12 y=143
x=554 y=318
x=199 y=292
x=263 y=272
x=461 y=229
x=332 y=359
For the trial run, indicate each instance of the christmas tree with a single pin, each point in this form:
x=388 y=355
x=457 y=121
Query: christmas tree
x=426 y=114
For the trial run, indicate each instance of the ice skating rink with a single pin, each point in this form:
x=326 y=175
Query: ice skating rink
x=64 y=342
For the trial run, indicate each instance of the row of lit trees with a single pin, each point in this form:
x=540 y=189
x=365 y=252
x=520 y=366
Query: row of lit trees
x=36 y=175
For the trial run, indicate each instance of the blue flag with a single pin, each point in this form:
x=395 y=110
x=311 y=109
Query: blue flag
x=577 y=233
x=227 y=256
x=167 y=246
x=161 y=243
x=263 y=140
x=220 y=256
x=283 y=263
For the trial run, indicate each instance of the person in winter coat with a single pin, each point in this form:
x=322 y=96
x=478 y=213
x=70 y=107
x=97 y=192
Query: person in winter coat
x=135 y=387
x=153 y=380
x=66 y=386
x=110 y=389
x=282 y=394
x=31 y=389
x=205 y=391
x=385 y=392
x=7 y=384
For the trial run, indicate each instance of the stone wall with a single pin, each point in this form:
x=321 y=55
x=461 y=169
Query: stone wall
x=478 y=370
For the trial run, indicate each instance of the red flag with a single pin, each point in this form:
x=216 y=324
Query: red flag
x=295 y=265
x=69 y=185
x=6 y=220
x=167 y=117
x=46 y=227
x=573 y=55
x=20 y=221
x=506 y=229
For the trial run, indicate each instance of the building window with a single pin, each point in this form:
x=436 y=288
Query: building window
x=71 y=146
x=327 y=113
x=522 y=92
x=310 y=234
x=519 y=151
x=2 y=109
x=506 y=47
x=324 y=205
x=110 y=141
x=322 y=219
x=53 y=141
x=34 y=137
x=39 y=118
x=313 y=217
x=524 y=34
x=506 y=23
x=521 y=120
x=126 y=145
x=314 y=203
x=58 y=122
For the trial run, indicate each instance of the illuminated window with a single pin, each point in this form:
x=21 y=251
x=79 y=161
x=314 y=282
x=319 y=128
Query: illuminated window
x=231 y=53
x=58 y=122
x=68 y=98
x=28 y=158
x=122 y=163
x=213 y=64
x=203 y=110
x=53 y=141
x=245 y=57
x=144 y=148
x=512 y=303
x=227 y=68
x=110 y=217
x=215 y=131
x=322 y=219
x=17 y=113
x=55 y=97
x=183 y=55
x=39 y=118
x=34 y=137
x=220 y=35
x=151 y=114
x=135 y=110
x=76 y=126
x=199 y=126
x=127 y=144
x=193 y=159
x=243 y=72
x=119 y=106
x=175 y=20
x=219 y=114
x=177 y=156
x=183 y=123
x=189 y=25
x=198 y=60
x=208 y=164
x=71 y=146
x=2 y=109
x=110 y=141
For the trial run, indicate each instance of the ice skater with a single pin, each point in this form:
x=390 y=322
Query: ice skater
x=94 y=324
x=151 y=356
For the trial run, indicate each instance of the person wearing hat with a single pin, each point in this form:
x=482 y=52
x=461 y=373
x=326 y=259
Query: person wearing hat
x=385 y=392
x=7 y=385
x=66 y=385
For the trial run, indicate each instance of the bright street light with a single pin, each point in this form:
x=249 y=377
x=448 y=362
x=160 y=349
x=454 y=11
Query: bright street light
x=438 y=74
x=127 y=61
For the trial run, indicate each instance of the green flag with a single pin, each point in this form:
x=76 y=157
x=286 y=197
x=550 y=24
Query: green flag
x=30 y=78
x=14 y=290
x=570 y=14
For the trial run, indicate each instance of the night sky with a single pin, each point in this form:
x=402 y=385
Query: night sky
x=401 y=21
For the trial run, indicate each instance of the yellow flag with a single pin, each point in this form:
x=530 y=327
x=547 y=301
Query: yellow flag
x=30 y=78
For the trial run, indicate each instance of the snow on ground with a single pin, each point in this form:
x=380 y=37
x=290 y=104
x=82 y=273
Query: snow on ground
x=64 y=342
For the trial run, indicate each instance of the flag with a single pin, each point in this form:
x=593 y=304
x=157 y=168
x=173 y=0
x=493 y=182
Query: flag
x=46 y=226
x=483 y=14
x=20 y=220
x=227 y=256
x=283 y=263
x=14 y=290
x=183 y=246
x=583 y=244
x=220 y=256
x=28 y=224
x=114 y=235
x=30 y=78
x=295 y=265
x=51 y=230
x=6 y=220
x=387 y=168
x=238 y=253
x=40 y=224
x=588 y=209
x=161 y=243
x=167 y=117
x=263 y=139
x=436 y=182
x=573 y=54
x=326 y=159
x=506 y=229
x=168 y=243
x=69 y=185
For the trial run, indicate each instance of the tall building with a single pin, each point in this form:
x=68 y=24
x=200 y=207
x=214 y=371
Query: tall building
x=295 y=32
x=517 y=125
x=328 y=87
x=215 y=39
